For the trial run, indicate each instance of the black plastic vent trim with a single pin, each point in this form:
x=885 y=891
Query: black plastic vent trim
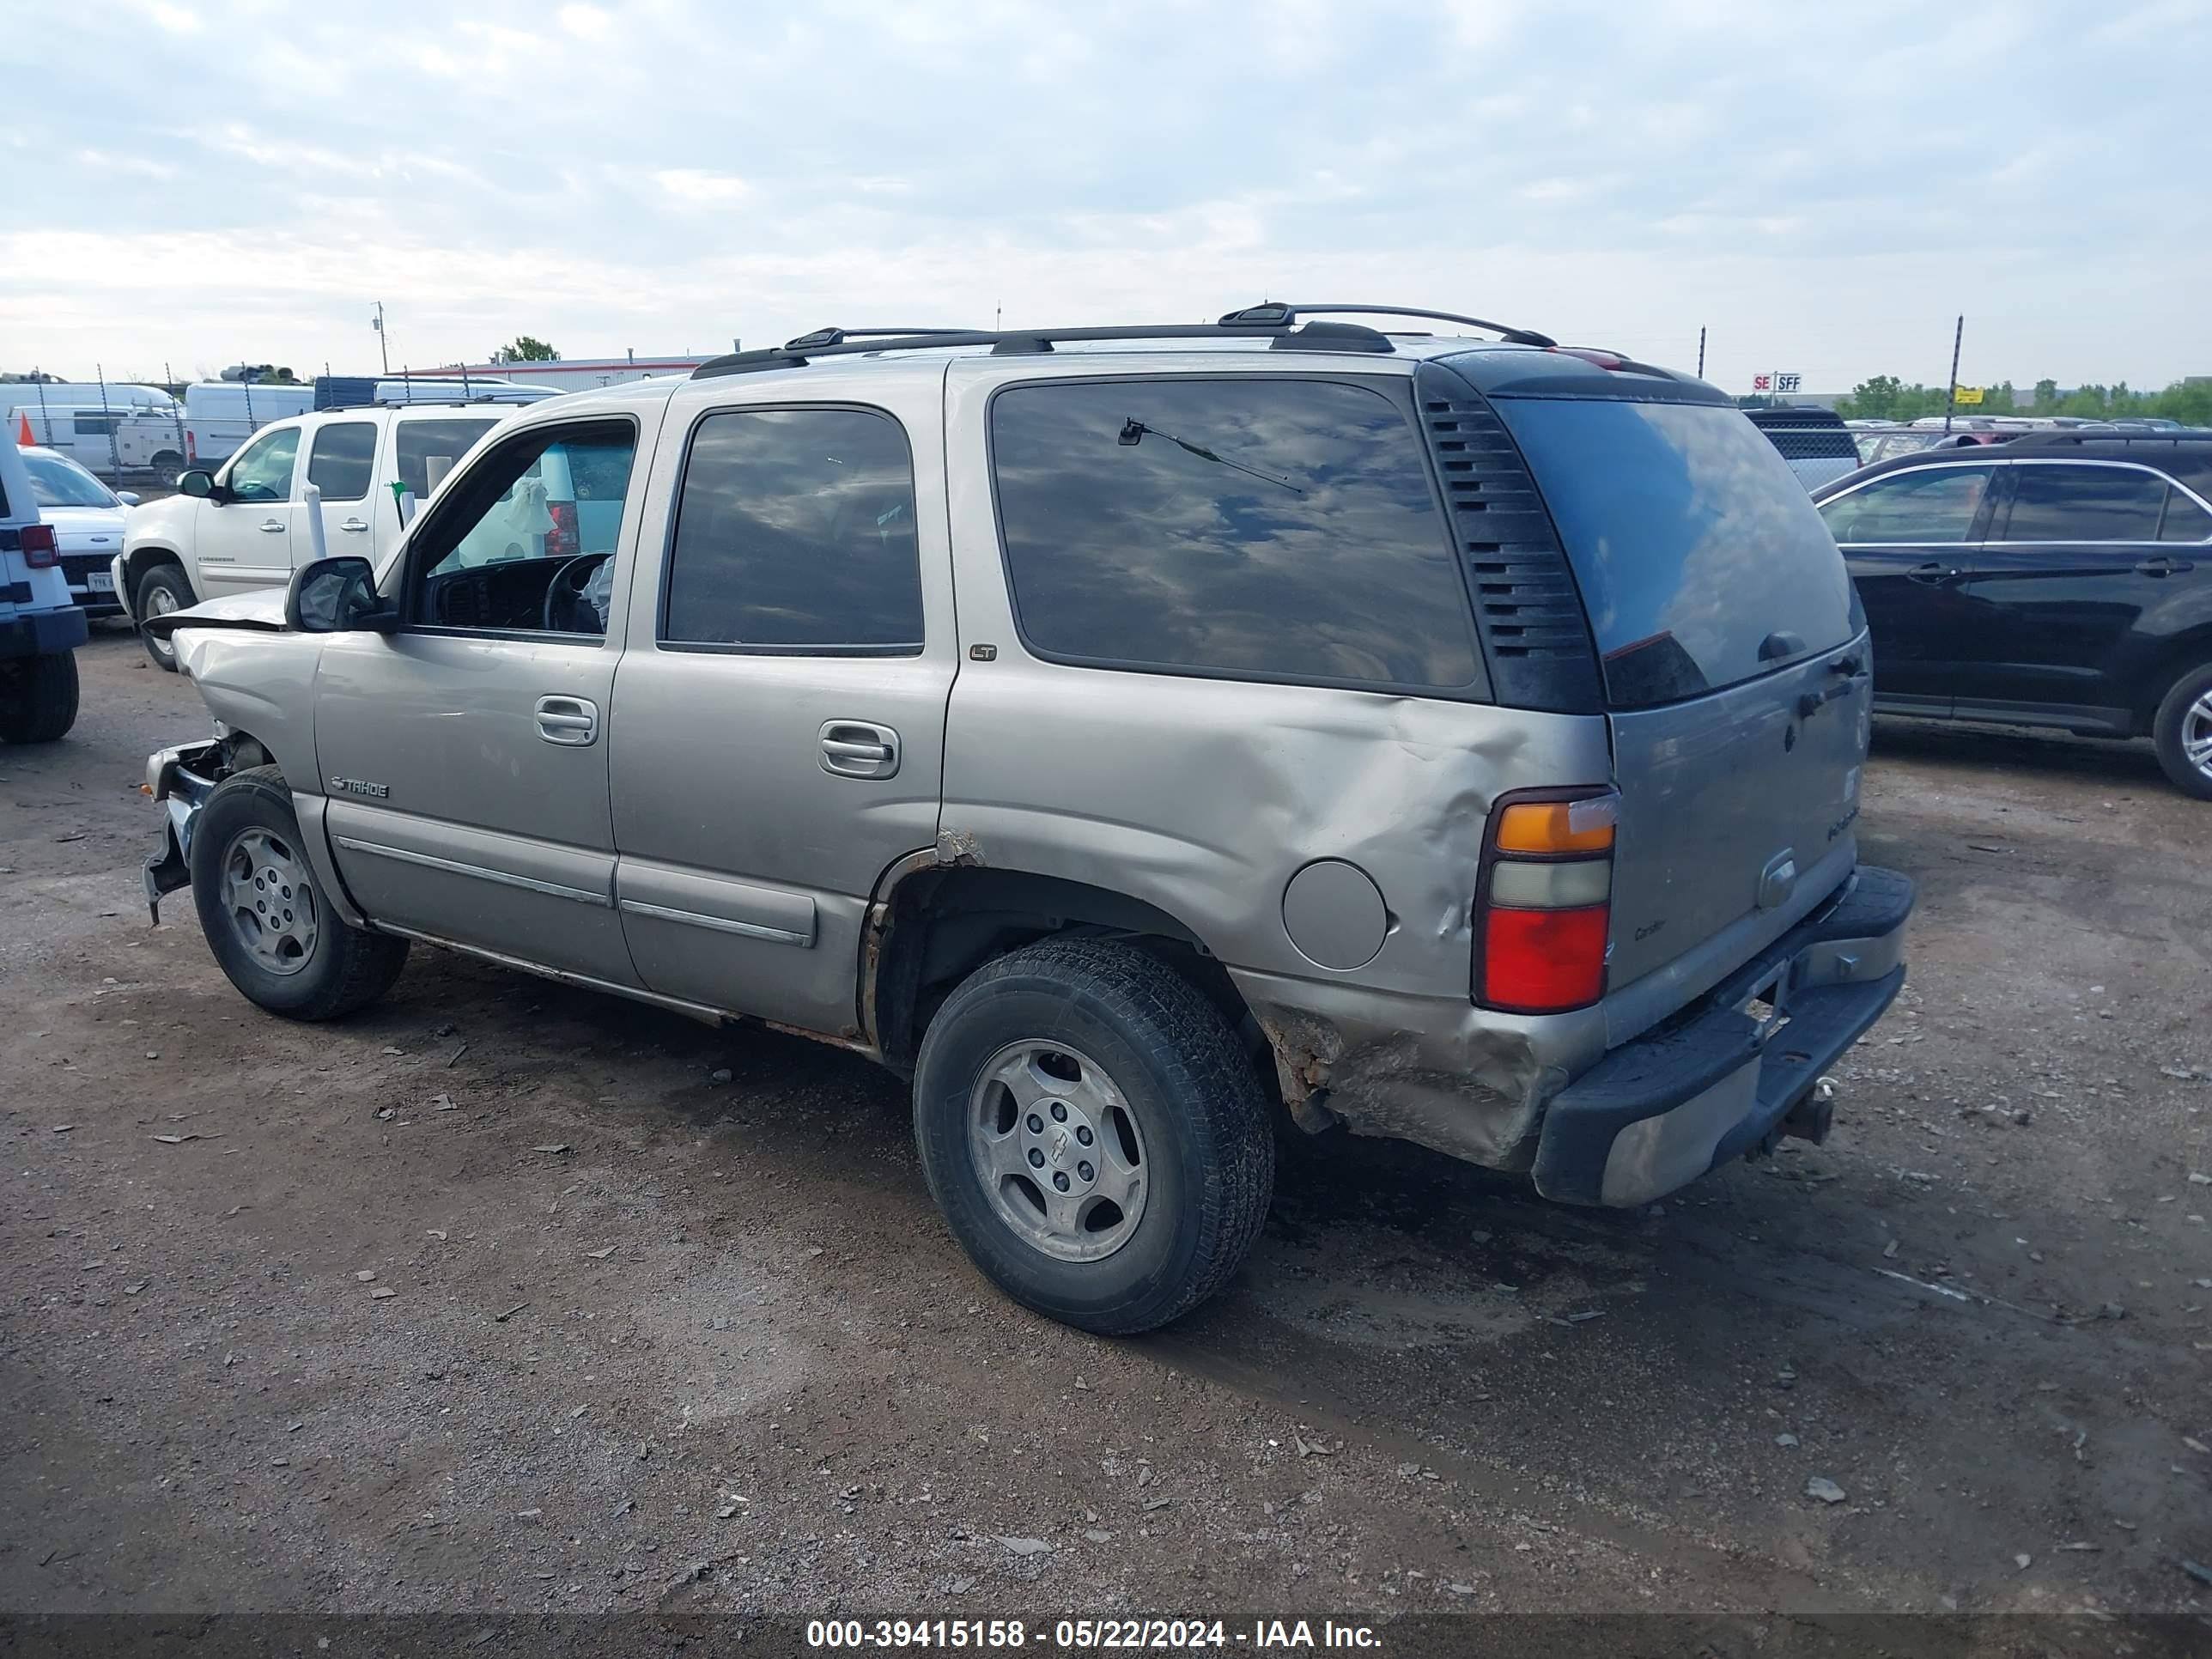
x=1527 y=609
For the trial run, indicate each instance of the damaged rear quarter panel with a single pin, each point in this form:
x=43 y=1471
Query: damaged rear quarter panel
x=1204 y=797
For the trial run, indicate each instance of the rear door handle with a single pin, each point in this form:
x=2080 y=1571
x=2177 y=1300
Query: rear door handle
x=2163 y=566
x=859 y=748
x=1932 y=575
x=356 y=526
x=572 y=722
x=275 y=527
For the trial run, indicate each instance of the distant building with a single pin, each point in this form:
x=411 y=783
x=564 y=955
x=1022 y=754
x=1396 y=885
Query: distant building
x=572 y=373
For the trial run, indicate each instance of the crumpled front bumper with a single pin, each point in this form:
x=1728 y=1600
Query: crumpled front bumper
x=179 y=780
x=1737 y=1070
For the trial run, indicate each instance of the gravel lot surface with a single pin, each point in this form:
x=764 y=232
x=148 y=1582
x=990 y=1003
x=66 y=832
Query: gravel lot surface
x=506 y=1297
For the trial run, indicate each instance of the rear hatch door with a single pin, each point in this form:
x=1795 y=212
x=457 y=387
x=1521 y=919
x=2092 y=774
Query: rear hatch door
x=1735 y=677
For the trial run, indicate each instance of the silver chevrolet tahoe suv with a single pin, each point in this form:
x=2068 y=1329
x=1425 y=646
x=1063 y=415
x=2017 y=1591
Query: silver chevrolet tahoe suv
x=1131 y=736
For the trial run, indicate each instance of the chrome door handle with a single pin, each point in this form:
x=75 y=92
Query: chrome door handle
x=572 y=722
x=859 y=748
x=356 y=525
x=275 y=525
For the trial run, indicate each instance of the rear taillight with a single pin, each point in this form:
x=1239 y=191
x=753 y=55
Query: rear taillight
x=1543 y=902
x=561 y=541
x=191 y=445
x=39 y=551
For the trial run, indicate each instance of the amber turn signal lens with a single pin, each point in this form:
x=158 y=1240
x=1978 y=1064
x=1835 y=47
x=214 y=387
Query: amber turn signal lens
x=1558 y=826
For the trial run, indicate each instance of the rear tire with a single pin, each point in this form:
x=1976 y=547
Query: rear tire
x=272 y=934
x=1142 y=1096
x=38 y=697
x=2183 y=732
x=162 y=590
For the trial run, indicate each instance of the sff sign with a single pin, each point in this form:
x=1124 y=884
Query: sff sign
x=1776 y=381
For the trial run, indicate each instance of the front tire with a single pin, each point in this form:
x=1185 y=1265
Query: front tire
x=271 y=930
x=2183 y=732
x=38 y=697
x=1096 y=1137
x=162 y=590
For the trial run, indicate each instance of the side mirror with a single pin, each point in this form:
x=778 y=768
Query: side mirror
x=199 y=482
x=128 y=497
x=338 y=596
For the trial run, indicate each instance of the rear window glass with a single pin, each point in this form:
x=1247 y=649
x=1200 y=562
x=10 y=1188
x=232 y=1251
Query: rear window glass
x=796 y=532
x=1268 y=528
x=1692 y=542
x=2062 y=502
x=426 y=451
x=2186 y=521
x=342 y=459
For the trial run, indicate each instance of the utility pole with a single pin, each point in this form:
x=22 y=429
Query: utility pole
x=1701 y=351
x=383 y=349
x=176 y=408
x=107 y=416
x=1951 y=391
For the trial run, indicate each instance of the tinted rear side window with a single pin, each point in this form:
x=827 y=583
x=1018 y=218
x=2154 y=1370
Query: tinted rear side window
x=2057 y=502
x=341 y=459
x=1268 y=528
x=426 y=451
x=1692 y=542
x=795 y=531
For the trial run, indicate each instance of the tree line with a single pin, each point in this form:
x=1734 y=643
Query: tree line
x=1885 y=397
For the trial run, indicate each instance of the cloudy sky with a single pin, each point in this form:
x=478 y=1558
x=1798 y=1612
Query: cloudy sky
x=1825 y=187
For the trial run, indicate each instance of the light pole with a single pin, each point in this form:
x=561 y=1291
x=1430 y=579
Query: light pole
x=383 y=349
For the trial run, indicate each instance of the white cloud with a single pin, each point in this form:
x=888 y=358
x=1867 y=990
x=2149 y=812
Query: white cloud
x=178 y=20
x=586 y=22
x=696 y=187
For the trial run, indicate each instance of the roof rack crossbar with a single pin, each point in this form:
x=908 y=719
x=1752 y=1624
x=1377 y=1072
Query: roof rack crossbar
x=1021 y=341
x=1286 y=313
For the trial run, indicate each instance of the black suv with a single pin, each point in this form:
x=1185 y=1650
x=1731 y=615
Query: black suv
x=2059 y=580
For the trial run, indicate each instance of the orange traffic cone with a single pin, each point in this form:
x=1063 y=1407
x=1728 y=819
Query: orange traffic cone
x=23 y=438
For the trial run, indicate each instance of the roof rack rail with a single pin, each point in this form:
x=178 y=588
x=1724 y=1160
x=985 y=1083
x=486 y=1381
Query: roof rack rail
x=822 y=337
x=2034 y=436
x=1286 y=313
x=1023 y=342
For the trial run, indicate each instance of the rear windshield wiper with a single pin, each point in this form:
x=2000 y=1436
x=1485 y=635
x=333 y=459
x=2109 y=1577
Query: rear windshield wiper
x=1132 y=433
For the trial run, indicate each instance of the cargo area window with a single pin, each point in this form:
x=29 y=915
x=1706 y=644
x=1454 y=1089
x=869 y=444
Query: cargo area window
x=795 y=533
x=341 y=459
x=1263 y=528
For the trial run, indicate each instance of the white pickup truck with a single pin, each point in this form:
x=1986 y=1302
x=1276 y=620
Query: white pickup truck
x=243 y=526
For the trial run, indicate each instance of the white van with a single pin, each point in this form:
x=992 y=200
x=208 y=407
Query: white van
x=103 y=442
x=64 y=395
x=220 y=415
